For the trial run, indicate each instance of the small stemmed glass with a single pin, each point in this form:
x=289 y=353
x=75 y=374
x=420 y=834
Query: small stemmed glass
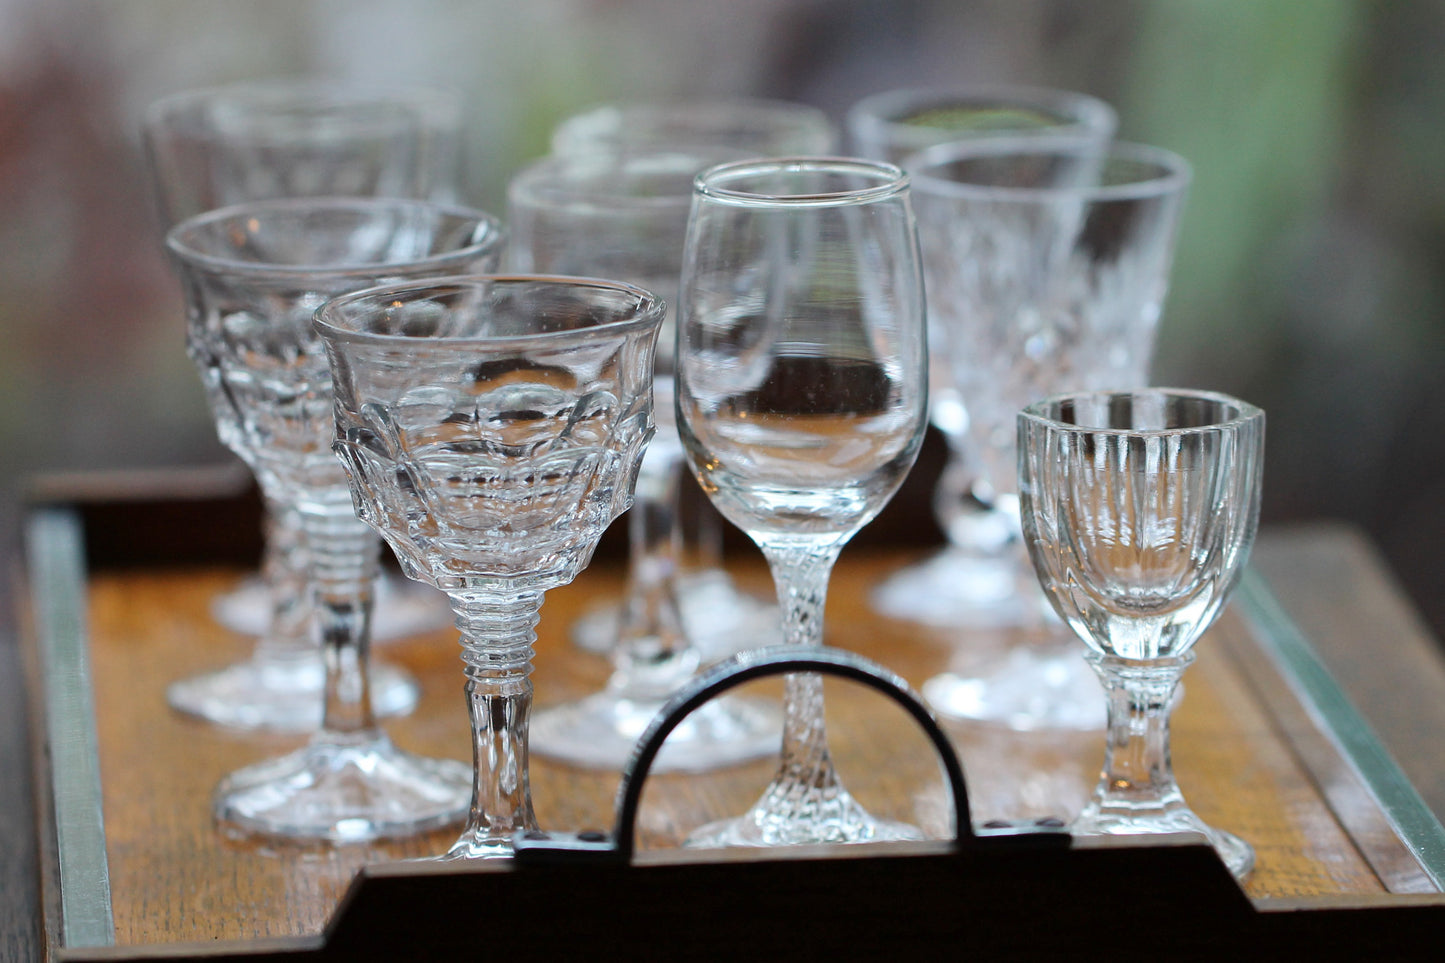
x=802 y=386
x=253 y=274
x=624 y=216
x=492 y=428
x=1139 y=509
x=211 y=148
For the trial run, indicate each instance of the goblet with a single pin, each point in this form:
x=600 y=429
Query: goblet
x=253 y=274
x=218 y=146
x=492 y=427
x=1139 y=509
x=974 y=580
x=625 y=217
x=1047 y=261
x=802 y=386
x=716 y=616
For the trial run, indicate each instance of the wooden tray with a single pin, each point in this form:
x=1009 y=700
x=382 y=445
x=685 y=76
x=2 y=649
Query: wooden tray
x=1264 y=744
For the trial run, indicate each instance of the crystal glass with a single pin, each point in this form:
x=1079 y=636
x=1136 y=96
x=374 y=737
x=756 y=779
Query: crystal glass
x=1139 y=509
x=973 y=581
x=717 y=617
x=217 y=146
x=253 y=274
x=802 y=386
x=492 y=428
x=624 y=216
x=1047 y=261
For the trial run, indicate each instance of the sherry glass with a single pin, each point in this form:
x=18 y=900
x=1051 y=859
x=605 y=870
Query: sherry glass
x=1139 y=509
x=802 y=386
x=1047 y=261
x=492 y=428
x=717 y=617
x=253 y=274
x=231 y=144
x=624 y=216
x=974 y=580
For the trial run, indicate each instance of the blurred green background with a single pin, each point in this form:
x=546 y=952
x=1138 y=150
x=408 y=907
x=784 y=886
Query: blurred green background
x=1308 y=276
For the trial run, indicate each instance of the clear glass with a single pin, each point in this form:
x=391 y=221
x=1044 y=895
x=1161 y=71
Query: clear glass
x=975 y=580
x=802 y=386
x=625 y=217
x=755 y=127
x=253 y=274
x=210 y=148
x=1139 y=509
x=492 y=428
x=1047 y=261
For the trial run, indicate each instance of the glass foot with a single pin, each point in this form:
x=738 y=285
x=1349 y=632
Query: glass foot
x=719 y=618
x=788 y=815
x=1238 y=855
x=953 y=589
x=403 y=608
x=1027 y=690
x=285 y=695
x=600 y=731
x=342 y=791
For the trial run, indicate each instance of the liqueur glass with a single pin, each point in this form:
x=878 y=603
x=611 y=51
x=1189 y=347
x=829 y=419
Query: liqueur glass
x=1047 y=261
x=253 y=274
x=1139 y=509
x=225 y=145
x=974 y=580
x=624 y=216
x=492 y=428
x=802 y=386
x=718 y=618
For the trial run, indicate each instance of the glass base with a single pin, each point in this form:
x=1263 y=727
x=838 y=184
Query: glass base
x=343 y=791
x=284 y=695
x=953 y=589
x=1238 y=855
x=787 y=816
x=719 y=618
x=1029 y=689
x=600 y=731
x=403 y=608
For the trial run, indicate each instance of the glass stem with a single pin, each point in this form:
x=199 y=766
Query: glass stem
x=498 y=631
x=801 y=574
x=1138 y=778
x=284 y=572
x=653 y=655
x=344 y=555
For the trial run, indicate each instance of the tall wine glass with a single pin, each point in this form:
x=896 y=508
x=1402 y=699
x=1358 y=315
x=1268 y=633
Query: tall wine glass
x=802 y=386
x=217 y=146
x=492 y=428
x=717 y=617
x=1139 y=509
x=1047 y=261
x=973 y=581
x=253 y=274
x=624 y=216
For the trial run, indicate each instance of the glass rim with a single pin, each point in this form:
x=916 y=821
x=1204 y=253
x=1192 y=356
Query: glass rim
x=437 y=103
x=541 y=186
x=1173 y=173
x=565 y=137
x=651 y=308
x=1245 y=412
x=892 y=181
x=879 y=112
x=493 y=237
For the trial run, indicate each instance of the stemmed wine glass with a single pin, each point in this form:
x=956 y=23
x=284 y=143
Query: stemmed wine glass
x=1047 y=261
x=492 y=427
x=624 y=216
x=1139 y=509
x=253 y=274
x=697 y=593
x=974 y=581
x=802 y=386
x=210 y=148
